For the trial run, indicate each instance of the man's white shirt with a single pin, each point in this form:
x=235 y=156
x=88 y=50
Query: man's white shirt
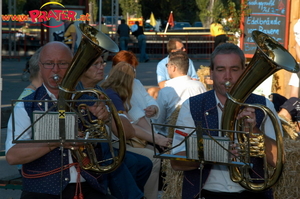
x=176 y=91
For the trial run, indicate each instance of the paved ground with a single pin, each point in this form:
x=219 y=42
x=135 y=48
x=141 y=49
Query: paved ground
x=13 y=86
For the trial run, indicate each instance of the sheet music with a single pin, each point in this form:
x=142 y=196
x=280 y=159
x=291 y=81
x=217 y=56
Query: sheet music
x=47 y=127
x=212 y=150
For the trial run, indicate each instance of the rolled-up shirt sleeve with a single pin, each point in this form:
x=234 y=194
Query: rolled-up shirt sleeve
x=191 y=71
x=21 y=122
x=184 y=119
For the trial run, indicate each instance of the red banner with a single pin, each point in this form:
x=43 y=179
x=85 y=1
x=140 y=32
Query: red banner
x=171 y=20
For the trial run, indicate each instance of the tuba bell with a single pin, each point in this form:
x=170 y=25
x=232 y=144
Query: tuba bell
x=270 y=56
x=93 y=44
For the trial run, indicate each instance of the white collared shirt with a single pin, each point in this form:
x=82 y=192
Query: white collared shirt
x=176 y=91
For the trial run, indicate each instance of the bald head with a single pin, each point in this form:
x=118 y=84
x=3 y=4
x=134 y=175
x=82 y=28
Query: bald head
x=54 y=60
x=51 y=47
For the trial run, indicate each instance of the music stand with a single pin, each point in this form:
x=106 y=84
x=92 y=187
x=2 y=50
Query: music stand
x=57 y=126
x=203 y=148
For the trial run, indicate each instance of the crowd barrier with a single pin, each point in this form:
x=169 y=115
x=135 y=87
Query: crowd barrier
x=18 y=45
x=199 y=45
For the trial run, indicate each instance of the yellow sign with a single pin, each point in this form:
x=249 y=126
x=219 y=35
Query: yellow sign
x=61 y=114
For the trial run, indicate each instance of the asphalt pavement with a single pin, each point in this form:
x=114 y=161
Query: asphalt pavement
x=13 y=85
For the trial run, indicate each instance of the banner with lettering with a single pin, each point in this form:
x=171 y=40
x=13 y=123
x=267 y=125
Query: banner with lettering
x=268 y=16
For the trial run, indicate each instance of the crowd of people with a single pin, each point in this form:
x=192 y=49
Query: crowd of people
x=179 y=97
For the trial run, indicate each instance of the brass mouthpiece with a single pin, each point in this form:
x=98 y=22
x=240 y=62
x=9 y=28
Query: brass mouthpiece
x=56 y=77
x=228 y=85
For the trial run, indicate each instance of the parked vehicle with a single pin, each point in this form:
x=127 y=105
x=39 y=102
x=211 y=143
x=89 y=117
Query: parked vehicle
x=108 y=21
x=181 y=25
x=148 y=27
x=198 y=24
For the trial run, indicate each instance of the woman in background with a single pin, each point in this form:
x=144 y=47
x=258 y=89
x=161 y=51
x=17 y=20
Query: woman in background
x=144 y=107
x=35 y=76
x=119 y=88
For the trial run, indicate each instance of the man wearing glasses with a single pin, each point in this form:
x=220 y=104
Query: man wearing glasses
x=42 y=162
x=173 y=45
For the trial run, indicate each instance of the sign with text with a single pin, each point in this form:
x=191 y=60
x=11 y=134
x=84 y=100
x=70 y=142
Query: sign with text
x=268 y=16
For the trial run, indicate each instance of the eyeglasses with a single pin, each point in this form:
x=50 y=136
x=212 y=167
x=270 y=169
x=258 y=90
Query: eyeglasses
x=167 y=64
x=62 y=65
x=99 y=64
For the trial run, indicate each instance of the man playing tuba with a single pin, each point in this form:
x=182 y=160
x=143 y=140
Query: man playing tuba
x=49 y=172
x=227 y=65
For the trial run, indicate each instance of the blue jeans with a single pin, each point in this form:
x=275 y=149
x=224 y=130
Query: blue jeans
x=124 y=43
x=142 y=47
x=140 y=168
x=128 y=180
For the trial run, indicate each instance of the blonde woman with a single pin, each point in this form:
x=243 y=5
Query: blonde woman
x=118 y=86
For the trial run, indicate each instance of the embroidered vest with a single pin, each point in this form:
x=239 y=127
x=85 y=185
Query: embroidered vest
x=51 y=184
x=204 y=110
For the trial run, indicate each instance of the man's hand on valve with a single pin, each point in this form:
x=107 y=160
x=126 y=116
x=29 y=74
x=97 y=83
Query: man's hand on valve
x=248 y=114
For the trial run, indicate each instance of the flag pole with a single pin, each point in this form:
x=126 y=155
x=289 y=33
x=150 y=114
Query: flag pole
x=168 y=23
x=166 y=28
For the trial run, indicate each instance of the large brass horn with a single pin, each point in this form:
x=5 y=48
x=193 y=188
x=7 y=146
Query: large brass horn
x=270 y=56
x=93 y=44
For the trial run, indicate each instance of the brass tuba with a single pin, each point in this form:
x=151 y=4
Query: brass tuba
x=93 y=44
x=269 y=57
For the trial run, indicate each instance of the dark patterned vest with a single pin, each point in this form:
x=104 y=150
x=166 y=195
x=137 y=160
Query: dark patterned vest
x=204 y=110
x=50 y=184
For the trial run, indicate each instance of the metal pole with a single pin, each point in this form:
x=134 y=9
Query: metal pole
x=15 y=27
x=9 y=28
x=115 y=16
x=100 y=15
x=0 y=65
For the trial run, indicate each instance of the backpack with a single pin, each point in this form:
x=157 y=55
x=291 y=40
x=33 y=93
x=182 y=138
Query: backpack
x=58 y=35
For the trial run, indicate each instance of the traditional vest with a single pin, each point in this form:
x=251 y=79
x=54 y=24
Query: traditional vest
x=204 y=110
x=51 y=184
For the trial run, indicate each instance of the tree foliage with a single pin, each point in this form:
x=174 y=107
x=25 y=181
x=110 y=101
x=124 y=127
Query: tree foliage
x=131 y=7
x=226 y=12
x=206 y=11
x=19 y=7
x=182 y=10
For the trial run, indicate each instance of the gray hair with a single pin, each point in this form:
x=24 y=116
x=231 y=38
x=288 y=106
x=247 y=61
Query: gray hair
x=227 y=48
x=34 y=64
